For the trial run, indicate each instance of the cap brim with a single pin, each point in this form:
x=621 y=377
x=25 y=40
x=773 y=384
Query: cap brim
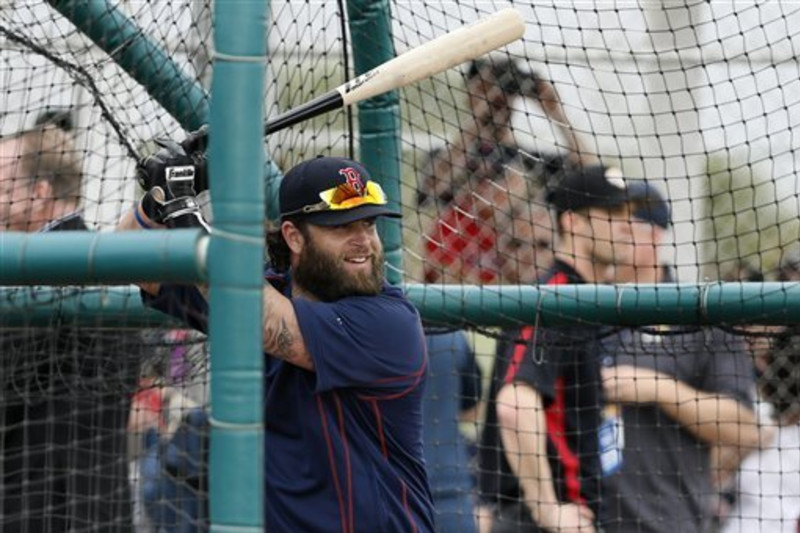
x=568 y=200
x=613 y=200
x=340 y=217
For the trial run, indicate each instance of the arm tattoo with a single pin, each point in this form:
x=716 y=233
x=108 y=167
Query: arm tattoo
x=280 y=340
x=284 y=342
x=282 y=337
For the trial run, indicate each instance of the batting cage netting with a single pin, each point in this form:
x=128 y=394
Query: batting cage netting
x=633 y=143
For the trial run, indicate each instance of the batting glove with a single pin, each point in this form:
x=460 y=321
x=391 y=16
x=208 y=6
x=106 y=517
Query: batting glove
x=172 y=177
x=179 y=169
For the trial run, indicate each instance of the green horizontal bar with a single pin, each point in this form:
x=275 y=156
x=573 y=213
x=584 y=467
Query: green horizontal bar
x=112 y=307
x=626 y=305
x=84 y=257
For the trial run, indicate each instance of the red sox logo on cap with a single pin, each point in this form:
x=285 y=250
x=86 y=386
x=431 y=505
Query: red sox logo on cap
x=353 y=180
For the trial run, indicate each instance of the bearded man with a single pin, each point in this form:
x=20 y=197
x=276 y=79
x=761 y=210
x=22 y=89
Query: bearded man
x=344 y=352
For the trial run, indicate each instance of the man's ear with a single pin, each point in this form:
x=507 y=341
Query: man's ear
x=293 y=236
x=567 y=221
x=42 y=190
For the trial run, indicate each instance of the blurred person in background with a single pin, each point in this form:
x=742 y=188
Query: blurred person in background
x=168 y=430
x=479 y=182
x=767 y=486
x=451 y=397
x=759 y=340
x=671 y=395
x=538 y=454
x=60 y=117
x=493 y=87
x=525 y=250
x=462 y=246
x=66 y=390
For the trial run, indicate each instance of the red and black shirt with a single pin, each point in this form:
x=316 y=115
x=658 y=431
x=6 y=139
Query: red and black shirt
x=561 y=364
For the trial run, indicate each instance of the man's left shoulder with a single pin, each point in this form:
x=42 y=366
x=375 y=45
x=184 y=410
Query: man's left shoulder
x=389 y=304
x=392 y=291
x=389 y=296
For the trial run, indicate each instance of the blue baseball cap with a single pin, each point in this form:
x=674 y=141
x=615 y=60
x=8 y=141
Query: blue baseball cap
x=649 y=204
x=331 y=191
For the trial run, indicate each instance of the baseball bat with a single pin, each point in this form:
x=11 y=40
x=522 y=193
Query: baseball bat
x=444 y=52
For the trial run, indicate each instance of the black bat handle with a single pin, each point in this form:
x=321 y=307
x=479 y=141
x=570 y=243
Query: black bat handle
x=322 y=104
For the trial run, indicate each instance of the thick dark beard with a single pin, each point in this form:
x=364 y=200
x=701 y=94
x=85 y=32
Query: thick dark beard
x=323 y=277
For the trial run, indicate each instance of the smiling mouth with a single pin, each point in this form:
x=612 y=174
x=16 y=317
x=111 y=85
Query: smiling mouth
x=357 y=260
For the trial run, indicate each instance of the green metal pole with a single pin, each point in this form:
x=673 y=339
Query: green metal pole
x=236 y=255
x=77 y=257
x=128 y=45
x=370 y=23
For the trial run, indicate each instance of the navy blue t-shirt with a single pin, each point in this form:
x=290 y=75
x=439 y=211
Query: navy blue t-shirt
x=343 y=443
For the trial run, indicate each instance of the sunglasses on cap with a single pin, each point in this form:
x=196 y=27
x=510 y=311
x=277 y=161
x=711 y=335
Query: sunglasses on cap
x=343 y=197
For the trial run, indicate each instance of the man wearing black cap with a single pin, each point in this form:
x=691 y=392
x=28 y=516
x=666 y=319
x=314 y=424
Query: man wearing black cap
x=539 y=449
x=671 y=395
x=345 y=359
x=650 y=221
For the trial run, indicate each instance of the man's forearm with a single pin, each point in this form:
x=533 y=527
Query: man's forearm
x=282 y=336
x=524 y=435
x=710 y=417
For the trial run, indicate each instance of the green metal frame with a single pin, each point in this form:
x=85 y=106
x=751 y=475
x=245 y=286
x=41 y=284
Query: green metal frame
x=236 y=266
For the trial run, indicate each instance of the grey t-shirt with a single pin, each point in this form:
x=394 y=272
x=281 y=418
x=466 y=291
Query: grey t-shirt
x=662 y=481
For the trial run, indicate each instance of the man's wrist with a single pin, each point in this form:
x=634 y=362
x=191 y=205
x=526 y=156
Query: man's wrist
x=141 y=218
x=544 y=514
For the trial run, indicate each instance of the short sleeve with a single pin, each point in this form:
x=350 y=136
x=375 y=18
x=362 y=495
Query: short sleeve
x=730 y=368
x=532 y=361
x=374 y=342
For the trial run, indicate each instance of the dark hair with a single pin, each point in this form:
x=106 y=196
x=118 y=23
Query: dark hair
x=789 y=265
x=277 y=249
x=60 y=117
x=49 y=153
x=507 y=74
x=743 y=271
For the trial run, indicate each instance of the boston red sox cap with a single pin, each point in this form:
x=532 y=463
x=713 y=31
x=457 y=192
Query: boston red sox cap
x=329 y=191
x=591 y=186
